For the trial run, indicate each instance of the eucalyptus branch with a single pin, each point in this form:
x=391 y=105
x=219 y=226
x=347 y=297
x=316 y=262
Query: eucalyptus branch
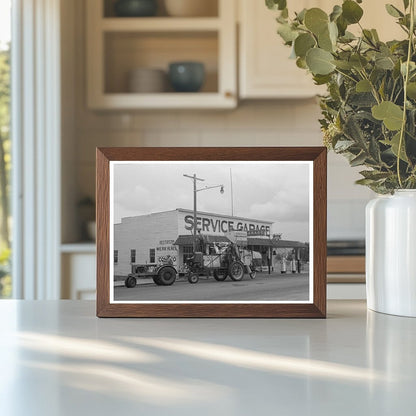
x=406 y=80
x=346 y=75
x=398 y=95
x=392 y=91
x=386 y=96
x=373 y=88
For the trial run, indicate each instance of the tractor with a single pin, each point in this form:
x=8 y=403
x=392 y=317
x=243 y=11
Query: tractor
x=163 y=274
x=222 y=261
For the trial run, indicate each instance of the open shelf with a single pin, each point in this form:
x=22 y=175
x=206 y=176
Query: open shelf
x=119 y=45
x=168 y=100
x=87 y=247
x=126 y=51
x=160 y=24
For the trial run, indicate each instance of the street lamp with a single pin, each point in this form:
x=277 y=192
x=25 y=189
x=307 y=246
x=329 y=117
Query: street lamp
x=195 y=179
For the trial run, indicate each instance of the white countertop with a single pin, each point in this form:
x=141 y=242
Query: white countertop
x=57 y=358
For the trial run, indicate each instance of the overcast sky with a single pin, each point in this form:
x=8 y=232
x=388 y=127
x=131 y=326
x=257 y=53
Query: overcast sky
x=274 y=192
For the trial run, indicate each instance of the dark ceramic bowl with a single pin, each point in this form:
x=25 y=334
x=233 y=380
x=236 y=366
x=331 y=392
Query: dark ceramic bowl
x=135 y=8
x=186 y=76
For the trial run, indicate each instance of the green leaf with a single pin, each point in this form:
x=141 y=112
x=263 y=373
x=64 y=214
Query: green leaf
x=281 y=19
x=333 y=32
x=374 y=174
x=375 y=35
x=384 y=62
x=301 y=15
x=344 y=65
x=303 y=43
x=365 y=182
x=362 y=99
x=351 y=11
x=411 y=90
x=358 y=160
x=316 y=20
x=336 y=12
x=393 y=11
x=276 y=4
x=388 y=112
x=368 y=36
x=374 y=150
x=320 y=61
x=358 y=61
x=325 y=42
x=394 y=145
x=363 y=86
x=343 y=145
x=301 y=63
x=287 y=33
x=321 y=79
x=347 y=37
x=342 y=25
x=354 y=132
x=412 y=67
x=382 y=89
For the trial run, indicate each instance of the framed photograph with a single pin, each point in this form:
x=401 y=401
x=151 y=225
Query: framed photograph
x=211 y=232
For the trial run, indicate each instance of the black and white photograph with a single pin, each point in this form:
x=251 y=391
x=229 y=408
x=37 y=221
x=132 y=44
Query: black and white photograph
x=234 y=232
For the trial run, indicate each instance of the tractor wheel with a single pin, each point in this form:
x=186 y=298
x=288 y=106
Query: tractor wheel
x=193 y=278
x=167 y=276
x=130 y=282
x=236 y=271
x=219 y=277
x=157 y=281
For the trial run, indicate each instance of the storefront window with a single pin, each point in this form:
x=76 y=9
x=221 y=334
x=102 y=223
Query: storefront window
x=132 y=256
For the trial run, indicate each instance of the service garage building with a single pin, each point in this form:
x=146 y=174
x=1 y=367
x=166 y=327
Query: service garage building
x=168 y=235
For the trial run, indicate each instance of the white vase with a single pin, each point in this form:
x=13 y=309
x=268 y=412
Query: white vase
x=391 y=253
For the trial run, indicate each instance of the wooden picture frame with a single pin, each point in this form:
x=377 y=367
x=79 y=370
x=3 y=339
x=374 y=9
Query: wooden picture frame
x=315 y=307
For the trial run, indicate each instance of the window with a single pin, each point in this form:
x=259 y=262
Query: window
x=187 y=252
x=115 y=256
x=152 y=255
x=5 y=161
x=132 y=256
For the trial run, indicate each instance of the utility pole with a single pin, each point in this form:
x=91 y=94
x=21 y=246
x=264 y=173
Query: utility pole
x=194 y=179
x=232 y=194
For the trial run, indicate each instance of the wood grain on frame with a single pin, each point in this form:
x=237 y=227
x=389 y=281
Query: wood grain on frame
x=317 y=309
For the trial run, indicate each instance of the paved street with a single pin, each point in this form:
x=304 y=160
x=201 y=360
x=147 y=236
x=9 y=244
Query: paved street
x=277 y=287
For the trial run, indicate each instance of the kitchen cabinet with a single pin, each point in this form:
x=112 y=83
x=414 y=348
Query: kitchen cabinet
x=118 y=45
x=265 y=70
x=264 y=65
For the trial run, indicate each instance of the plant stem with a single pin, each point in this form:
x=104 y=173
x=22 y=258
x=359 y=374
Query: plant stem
x=346 y=75
x=406 y=80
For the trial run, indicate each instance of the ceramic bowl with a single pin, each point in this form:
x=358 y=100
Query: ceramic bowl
x=135 y=8
x=186 y=76
x=147 y=80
